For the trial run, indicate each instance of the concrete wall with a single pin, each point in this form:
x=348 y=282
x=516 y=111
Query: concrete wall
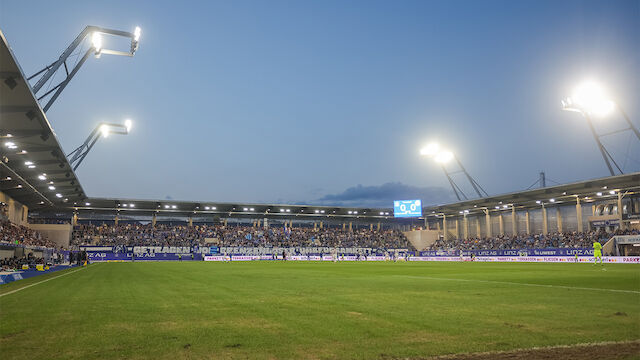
x=58 y=233
x=421 y=239
x=17 y=212
x=6 y=253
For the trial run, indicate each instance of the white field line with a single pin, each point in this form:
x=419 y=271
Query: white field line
x=40 y=282
x=515 y=351
x=522 y=284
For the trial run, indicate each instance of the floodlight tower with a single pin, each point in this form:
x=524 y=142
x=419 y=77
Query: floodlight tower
x=102 y=130
x=589 y=99
x=96 y=48
x=443 y=157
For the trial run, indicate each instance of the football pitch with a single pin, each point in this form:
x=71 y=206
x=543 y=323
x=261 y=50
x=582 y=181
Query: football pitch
x=314 y=310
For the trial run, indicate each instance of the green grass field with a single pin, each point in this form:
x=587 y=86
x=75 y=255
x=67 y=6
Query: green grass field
x=293 y=310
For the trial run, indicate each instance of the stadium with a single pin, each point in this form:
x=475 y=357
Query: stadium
x=551 y=271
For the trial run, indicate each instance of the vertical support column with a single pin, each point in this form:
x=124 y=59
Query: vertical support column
x=116 y=220
x=225 y=222
x=321 y=225
x=621 y=226
x=190 y=221
x=12 y=210
x=500 y=223
x=478 y=227
x=579 y=214
x=350 y=226
x=371 y=227
x=465 y=228
x=343 y=226
x=487 y=219
x=153 y=220
x=545 y=224
x=438 y=227
x=445 y=234
x=514 y=221
x=315 y=226
x=378 y=225
x=457 y=228
x=25 y=215
x=559 y=218
x=528 y=222
x=74 y=219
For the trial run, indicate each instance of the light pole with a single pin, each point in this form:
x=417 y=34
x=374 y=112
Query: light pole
x=443 y=157
x=96 y=48
x=102 y=130
x=589 y=99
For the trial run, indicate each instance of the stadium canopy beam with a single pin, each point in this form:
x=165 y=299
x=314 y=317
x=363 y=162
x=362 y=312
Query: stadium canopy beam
x=96 y=48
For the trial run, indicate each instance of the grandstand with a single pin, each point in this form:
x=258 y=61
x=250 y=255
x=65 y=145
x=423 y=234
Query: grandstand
x=48 y=224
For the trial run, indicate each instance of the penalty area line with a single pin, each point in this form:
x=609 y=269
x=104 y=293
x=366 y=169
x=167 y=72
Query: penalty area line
x=40 y=282
x=522 y=284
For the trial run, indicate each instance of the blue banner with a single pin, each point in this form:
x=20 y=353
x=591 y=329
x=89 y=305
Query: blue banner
x=514 y=252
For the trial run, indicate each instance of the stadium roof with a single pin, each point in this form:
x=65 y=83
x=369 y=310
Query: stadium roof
x=186 y=208
x=561 y=194
x=588 y=191
x=31 y=157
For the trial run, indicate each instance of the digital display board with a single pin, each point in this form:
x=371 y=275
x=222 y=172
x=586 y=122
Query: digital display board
x=407 y=208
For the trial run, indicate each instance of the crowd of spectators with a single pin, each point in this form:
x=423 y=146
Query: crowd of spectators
x=537 y=241
x=16 y=263
x=182 y=235
x=21 y=235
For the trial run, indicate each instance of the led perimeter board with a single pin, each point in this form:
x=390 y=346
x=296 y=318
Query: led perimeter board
x=407 y=208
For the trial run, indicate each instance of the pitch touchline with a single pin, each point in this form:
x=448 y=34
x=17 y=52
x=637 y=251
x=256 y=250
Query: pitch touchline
x=523 y=284
x=39 y=282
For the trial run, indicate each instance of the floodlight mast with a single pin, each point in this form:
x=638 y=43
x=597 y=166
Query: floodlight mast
x=96 y=49
x=102 y=130
x=454 y=186
x=473 y=181
x=443 y=157
x=588 y=99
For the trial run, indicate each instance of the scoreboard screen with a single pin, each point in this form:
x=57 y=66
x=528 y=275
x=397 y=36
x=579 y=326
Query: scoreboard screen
x=407 y=208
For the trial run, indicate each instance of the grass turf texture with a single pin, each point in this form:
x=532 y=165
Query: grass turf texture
x=266 y=310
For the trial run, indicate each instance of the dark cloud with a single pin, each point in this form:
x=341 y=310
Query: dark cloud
x=383 y=195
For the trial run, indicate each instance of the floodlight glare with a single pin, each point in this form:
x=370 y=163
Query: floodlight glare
x=430 y=150
x=96 y=41
x=127 y=124
x=444 y=157
x=104 y=129
x=591 y=98
x=136 y=33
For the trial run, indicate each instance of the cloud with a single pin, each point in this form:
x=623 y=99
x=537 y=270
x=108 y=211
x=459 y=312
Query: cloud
x=383 y=195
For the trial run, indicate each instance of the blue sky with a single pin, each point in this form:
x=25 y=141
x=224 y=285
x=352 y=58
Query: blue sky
x=300 y=101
